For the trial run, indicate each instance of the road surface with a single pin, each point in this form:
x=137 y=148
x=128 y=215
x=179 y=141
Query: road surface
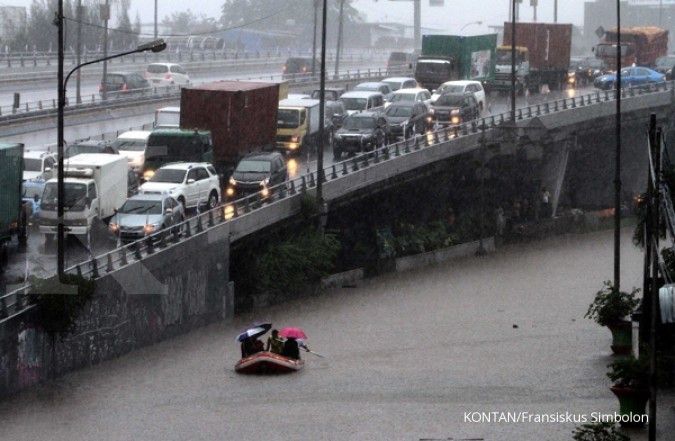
x=406 y=356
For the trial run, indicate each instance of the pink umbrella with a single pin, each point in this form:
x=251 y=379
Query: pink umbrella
x=296 y=333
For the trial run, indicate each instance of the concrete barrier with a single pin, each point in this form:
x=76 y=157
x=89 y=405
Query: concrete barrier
x=442 y=255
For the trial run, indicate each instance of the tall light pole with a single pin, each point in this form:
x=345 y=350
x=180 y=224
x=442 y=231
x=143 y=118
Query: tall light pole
x=105 y=15
x=513 y=61
x=555 y=11
x=417 y=24
x=339 y=38
x=78 y=44
x=153 y=46
x=155 y=19
x=316 y=19
x=322 y=116
x=617 y=163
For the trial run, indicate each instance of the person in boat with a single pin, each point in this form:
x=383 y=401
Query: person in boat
x=291 y=349
x=251 y=346
x=274 y=343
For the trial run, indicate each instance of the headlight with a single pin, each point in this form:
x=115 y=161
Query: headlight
x=232 y=181
x=454 y=112
x=230 y=191
x=114 y=228
x=295 y=139
x=265 y=192
x=432 y=111
x=148 y=174
x=150 y=228
x=455 y=120
x=264 y=182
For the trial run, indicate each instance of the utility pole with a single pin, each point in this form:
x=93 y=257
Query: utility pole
x=555 y=11
x=105 y=15
x=60 y=186
x=78 y=44
x=653 y=307
x=155 y=19
x=339 y=38
x=617 y=163
x=534 y=9
x=513 y=61
x=322 y=117
x=316 y=19
x=417 y=24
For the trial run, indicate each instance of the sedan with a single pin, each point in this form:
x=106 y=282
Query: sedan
x=453 y=110
x=630 y=77
x=144 y=214
x=406 y=119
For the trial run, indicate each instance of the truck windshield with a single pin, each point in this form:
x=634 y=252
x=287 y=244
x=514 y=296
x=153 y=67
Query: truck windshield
x=352 y=123
x=169 y=175
x=138 y=206
x=76 y=195
x=288 y=118
x=32 y=164
x=249 y=166
x=666 y=62
x=433 y=67
x=130 y=145
x=609 y=50
x=504 y=57
x=354 y=103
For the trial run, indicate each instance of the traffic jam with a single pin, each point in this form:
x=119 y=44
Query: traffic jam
x=232 y=139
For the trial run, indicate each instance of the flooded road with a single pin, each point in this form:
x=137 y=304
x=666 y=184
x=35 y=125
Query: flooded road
x=406 y=356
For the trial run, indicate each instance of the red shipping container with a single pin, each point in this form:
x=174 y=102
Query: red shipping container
x=242 y=116
x=549 y=44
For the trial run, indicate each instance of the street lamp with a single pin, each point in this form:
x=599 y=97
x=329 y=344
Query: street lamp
x=469 y=24
x=153 y=46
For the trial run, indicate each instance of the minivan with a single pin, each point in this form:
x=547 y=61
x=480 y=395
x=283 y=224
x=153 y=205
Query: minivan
x=359 y=101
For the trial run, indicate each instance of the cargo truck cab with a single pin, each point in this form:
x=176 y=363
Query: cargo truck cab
x=297 y=124
x=431 y=72
x=502 y=81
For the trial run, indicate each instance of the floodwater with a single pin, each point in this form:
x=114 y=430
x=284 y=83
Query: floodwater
x=406 y=356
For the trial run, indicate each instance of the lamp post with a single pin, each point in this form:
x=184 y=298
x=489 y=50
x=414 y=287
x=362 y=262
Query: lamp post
x=513 y=61
x=153 y=46
x=617 y=163
x=316 y=18
x=105 y=15
x=339 y=38
x=322 y=116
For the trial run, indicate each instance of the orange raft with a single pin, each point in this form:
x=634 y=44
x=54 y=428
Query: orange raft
x=267 y=363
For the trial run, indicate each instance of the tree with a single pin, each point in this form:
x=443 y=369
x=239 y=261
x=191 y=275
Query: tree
x=187 y=23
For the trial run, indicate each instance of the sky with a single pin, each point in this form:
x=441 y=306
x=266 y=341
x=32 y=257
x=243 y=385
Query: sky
x=450 y=18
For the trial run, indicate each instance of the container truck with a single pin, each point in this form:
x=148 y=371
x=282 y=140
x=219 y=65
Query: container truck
x=451 y=57
x=13 y=216
x=241 y=117
x=639 y=45
x=542 y=57
x=297 y=124
x=95 y=186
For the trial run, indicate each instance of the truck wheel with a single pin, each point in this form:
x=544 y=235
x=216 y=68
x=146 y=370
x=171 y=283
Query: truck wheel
x=213 y=200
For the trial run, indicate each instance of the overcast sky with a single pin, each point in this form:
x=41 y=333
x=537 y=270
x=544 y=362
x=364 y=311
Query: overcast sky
x=451 y=17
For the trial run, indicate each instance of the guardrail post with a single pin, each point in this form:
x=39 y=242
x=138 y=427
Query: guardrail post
x=109 y=264
x=94 y=268
x=9 y=62
x=344 y=168
x=606 y=95
x=188 y=229
x=538 y=109
x=465 y=130
x=137 y=251
x=292 y=190
x=40 y=105
x=21 y=62
x=501 y=121
x=34 y=61
x=149 y=245
x=529 y=111
x=406 y=144
x=312 y=183
x=200 y=227
x=474 y=128
x=555 y=105
x=597 y=97
x=123 y=257
x=355 y=165
x=574 y=102
x=397 y=151
x=365 y=160
x=564 y=103
x=377 y=156
x=333 y=174
x=303 y=185
x=211 y=221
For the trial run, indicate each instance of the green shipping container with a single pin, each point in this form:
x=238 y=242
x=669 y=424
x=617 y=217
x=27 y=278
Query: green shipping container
x=474 y=55
x=11 y=177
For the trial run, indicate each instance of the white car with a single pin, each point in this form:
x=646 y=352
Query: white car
x=409 y=96
x=396 y=83
x=460 y=88
x=361 y=101
x=132 y=144
x=38 y=165
x=166 y=74
x=193 y=184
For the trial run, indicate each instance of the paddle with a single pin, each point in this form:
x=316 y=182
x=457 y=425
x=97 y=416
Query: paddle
x=312 y=352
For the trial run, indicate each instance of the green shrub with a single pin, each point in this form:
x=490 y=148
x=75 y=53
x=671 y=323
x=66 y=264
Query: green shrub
x=630 y=372
x=611 y=305
x=297 y=262
x=600 y=431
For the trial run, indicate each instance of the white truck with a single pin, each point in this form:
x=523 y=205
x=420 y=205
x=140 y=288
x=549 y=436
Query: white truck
x=95 y=186
x=167 y=117
x=297 y=124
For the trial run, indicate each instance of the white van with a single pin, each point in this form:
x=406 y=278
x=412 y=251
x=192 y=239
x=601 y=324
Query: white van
x=132 y=145
x=167 y=117
x=96 y=186
x=360 y=101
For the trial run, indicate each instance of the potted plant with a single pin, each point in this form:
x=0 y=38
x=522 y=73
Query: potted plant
x=610 y=308
x=600 y=431
x=631 y=380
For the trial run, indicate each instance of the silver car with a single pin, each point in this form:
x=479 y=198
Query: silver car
x=144 y=214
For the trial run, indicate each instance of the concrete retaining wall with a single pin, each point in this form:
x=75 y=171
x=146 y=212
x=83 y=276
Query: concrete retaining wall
x=166 y=294
x=438 y=256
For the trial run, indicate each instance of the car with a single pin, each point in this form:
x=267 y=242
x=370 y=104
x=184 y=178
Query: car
x=454 y=109
x=360 y=101
x=257 y=172
x=460 y=88
x=361 y=132
x=665 y=66
x=132 y=144
x=331 y=93
x=119 y=84
x=38 y=165
x=396 y=83
x=193 y=184
x=630 y=77
x=90 y=146
x=406 y=119
x=583 y=71
x=381 y=87
x=166 y=74
x=416 y=95
x=296 y=66
x=144 y=214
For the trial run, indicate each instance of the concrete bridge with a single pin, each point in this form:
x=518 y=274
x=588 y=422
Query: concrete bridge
x=548 y=131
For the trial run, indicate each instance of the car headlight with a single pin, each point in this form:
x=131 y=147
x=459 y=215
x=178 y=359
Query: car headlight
x=264 y=182
x=230 y=191
x=150 y=228
x=432 y=111
x=148 y=174
x=455 y=119
x=295 y=138
x=113 y=227
x=454 y=112
x=232 y=181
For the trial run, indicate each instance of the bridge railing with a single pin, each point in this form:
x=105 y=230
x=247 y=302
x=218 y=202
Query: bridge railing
x=16 y=302
x=132 y=96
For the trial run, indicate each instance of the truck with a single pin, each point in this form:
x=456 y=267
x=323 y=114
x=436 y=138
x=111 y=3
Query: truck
x=542 y=57
x=241 y=117
x=297 y=124
x=167 y=117
x=13 y=215
x=95 y=186
x=452 y=57
x=639 y=45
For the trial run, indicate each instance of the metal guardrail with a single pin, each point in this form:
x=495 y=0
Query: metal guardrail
x=16 y=302
x=137 y=96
